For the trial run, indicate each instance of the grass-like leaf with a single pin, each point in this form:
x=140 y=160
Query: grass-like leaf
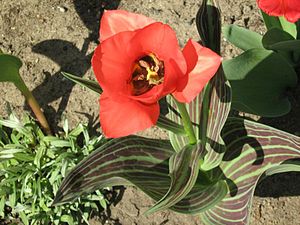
x=90 y=84
x=32 y=167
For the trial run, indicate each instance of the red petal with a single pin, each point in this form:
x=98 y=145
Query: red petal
x=112 y=63
x=116 y=21
x=290 y=9
x=124 y=118
x=202 y=63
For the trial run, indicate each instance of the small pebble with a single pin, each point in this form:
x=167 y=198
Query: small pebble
x=62 y=9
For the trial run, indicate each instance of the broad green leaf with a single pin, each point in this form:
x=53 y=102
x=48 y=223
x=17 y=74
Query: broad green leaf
x=284 y=43
x=292 y=45
x=10 y=66
x=253 y=149
x=260 y=79
x=242 y=38
x=183 y=169
x=274 y=36
x=90 y=84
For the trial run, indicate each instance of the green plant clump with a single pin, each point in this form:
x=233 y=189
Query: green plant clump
x=32 y=167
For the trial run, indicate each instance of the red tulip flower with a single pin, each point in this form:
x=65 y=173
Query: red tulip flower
x=290 y=9
x=137 y=63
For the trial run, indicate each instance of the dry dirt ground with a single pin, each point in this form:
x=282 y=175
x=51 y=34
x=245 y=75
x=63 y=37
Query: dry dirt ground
x=60 y=35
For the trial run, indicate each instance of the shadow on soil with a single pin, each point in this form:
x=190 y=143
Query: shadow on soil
x=285 y=184
x=70 y=59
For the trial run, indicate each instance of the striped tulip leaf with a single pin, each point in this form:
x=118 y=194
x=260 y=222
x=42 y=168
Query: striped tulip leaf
x=253 y=150
x=144 y=163
x=183 y=170
x=120 y=161
x=220 y=103
x=219 y=96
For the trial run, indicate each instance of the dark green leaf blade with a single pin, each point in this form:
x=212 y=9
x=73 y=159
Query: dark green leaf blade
x=242 y=38
x=252 y=150
x=292 y=46
x=271 y=21
x=90 y=84
x=259 y=79
x=274 y=36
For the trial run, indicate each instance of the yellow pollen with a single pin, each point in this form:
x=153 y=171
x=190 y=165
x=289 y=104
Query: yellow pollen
x=153 y=77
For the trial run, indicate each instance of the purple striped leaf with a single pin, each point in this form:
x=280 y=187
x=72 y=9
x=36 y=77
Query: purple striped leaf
x=144 y=163
x=253 y=150
x=217 y=113
x=183 y=170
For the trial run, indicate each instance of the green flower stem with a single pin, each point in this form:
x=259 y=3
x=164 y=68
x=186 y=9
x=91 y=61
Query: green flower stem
x=205 y=112
x=35 y=107
x=186 y=121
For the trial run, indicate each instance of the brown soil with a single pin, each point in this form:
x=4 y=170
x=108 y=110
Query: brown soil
x=57 y=35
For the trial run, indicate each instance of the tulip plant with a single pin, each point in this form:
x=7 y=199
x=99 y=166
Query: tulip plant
x=274 y=57
x=212 y=162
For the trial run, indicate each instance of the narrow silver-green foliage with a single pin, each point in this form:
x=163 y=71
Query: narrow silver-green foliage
x=252 y=150
x=32 y=166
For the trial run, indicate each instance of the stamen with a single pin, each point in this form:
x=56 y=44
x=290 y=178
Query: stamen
x=148 y=72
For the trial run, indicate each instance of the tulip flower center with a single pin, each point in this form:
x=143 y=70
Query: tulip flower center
x=148 y=72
